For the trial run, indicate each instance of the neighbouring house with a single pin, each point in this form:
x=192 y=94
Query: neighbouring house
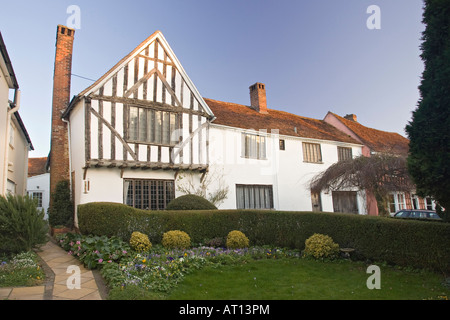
x=38 y=183
x=15 y=142
x=143 y=131
x=377 y=141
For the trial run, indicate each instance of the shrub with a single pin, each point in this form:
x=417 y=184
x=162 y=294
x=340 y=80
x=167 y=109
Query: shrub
x=61 y=210
x=321 y=246
x=22 y=225
x=176 y=239
x=237 y=240
x=190 y=202
x=140 y=242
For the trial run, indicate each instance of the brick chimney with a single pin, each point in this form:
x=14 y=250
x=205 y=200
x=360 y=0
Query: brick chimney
x=59 y=148
x=258 y=97
x=351 y=117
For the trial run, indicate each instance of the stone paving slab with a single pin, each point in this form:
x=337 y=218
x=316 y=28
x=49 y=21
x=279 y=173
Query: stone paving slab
x=59 y=285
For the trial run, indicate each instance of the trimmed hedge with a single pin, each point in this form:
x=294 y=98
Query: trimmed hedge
x=422 y=244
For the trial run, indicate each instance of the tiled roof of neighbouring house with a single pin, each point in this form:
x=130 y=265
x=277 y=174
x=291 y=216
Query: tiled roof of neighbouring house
x=377 y=140
x=37 y=166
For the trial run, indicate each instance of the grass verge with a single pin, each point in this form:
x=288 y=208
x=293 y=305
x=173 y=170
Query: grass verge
x=305 y=279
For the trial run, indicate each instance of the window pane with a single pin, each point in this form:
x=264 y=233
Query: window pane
x=151 y=125
x=158 y=126
x=142 y=125
x=133 y=127
x=166 y=128
x=173 y=128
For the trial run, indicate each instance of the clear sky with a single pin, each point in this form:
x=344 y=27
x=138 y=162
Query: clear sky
x=314 y=56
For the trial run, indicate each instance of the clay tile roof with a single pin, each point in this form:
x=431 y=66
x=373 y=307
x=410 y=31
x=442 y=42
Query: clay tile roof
x=241 y=116
x=377 y=140
x=37 y=166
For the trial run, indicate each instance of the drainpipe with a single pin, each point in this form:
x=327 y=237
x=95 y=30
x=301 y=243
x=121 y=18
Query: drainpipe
x=16 y=106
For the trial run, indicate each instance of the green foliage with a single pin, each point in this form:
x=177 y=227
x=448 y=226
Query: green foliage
x=140 y=242
x=61 y=209
x=94 y=251
x=320 y=246
x=237 y=240
x=176 y=239
x=429 y=157
x=190 y=202
x=402 y=242
x=22 y=225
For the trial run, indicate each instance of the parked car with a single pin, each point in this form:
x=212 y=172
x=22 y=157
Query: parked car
x=417 y=214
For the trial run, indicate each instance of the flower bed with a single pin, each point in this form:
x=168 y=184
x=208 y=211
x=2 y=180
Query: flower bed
x=159 y=269
x=22 y=269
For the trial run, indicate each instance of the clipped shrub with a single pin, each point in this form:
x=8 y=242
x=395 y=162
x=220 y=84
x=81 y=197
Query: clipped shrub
x=61 y=211
x=140 y=242
x=237 y=240
x=22 y=225
x=190 y=202
x=321 y=246
x=176 y=239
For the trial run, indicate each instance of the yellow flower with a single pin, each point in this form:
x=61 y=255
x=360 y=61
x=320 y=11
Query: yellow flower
x=143 y=261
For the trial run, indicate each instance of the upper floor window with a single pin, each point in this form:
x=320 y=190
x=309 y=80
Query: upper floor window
x=312 y=152
x=253 y=146
x=344 y=153
x=152 y=126
x=282 y=144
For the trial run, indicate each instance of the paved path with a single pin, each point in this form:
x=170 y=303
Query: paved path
x=59 y=281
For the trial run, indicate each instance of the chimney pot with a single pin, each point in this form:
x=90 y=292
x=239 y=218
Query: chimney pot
x=258 y=99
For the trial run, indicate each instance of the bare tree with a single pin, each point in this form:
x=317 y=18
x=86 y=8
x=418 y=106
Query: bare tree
x=379 y=174
x=187 y=185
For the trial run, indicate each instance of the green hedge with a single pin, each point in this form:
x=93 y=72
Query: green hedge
x=414 y=243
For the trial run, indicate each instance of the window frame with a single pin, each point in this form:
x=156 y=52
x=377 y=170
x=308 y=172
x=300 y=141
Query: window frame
x=164 y=192
x=344 y=153
x=160 y=126
x=254 y=146
x=251 y=194
x=315 y=156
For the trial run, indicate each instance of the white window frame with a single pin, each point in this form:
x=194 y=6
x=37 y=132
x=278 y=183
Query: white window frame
x=254 y=146
x=312 y=152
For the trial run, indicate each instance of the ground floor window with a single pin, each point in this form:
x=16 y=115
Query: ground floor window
x=36 y=195
x=148 y=194
x=254 y=196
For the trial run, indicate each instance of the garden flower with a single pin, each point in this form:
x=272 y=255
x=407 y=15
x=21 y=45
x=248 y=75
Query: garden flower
x=100 y=260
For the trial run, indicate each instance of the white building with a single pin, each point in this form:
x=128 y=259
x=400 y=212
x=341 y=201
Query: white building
x=15 y=142
x=38 y=182
x=138 y=131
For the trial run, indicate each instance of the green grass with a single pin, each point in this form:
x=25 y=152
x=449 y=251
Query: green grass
x=303 y=279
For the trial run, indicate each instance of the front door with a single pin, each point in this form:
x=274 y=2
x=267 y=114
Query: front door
x=345 y=201
x=316 y=202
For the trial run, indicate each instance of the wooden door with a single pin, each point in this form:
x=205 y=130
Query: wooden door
x=316 y=202
x=345 y=201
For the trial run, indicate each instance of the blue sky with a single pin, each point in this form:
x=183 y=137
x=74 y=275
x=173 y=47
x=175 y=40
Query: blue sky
x=313 y=56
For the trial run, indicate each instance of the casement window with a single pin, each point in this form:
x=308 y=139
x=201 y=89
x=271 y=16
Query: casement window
x=344 y=153
x=253 y=146
x=152 y=126
x=429 y=203
x=282 y=144
x=254 y=196
x=148 y=194
x=312 y=152
x=36 y=195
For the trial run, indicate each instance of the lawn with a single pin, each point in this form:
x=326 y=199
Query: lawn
x=304 y=279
